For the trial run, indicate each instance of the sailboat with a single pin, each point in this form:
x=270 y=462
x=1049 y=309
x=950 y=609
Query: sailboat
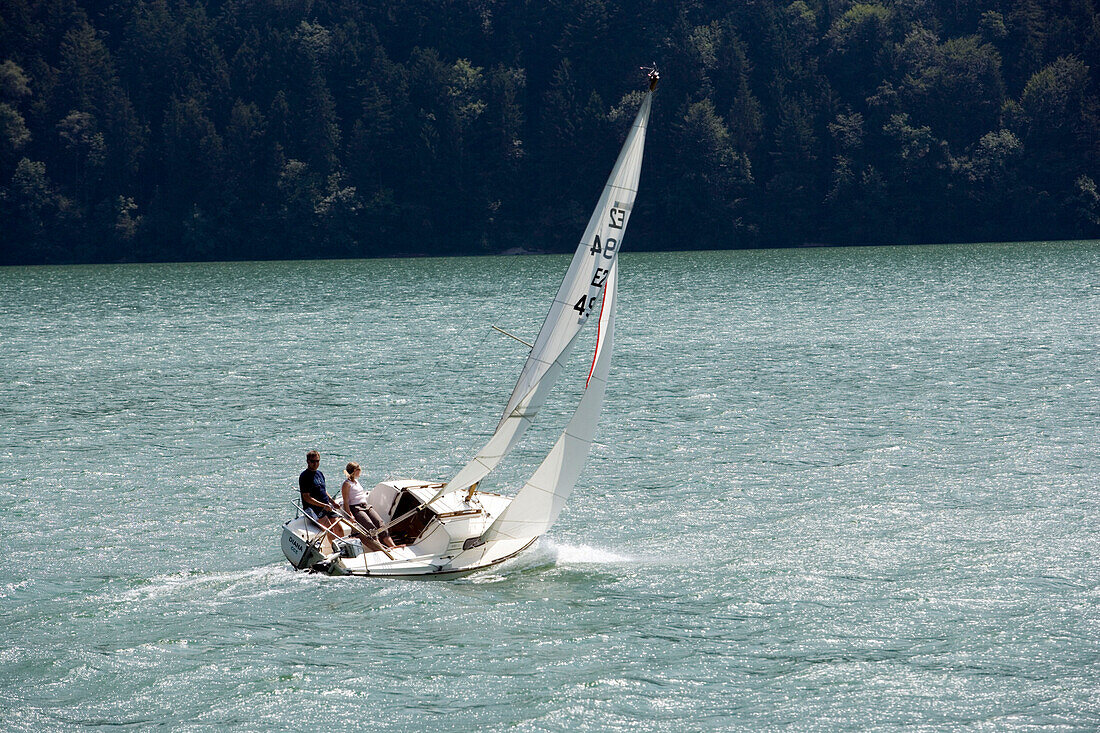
x=449 y=529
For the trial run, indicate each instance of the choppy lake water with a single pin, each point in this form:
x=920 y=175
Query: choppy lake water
x=834 y=489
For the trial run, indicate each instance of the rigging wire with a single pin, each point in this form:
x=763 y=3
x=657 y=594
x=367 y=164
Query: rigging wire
x=389 y=415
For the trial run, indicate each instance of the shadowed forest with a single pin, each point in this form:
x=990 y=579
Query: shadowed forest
x=189 y=130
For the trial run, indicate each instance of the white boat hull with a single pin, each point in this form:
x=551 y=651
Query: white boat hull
x=438 y=550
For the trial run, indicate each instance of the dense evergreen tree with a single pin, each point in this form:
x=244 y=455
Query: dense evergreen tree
x=210 y=129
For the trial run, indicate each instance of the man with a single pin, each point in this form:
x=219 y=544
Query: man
x=315 y=500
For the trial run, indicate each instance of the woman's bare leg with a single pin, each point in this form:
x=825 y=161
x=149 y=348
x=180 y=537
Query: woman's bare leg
x=384 y=535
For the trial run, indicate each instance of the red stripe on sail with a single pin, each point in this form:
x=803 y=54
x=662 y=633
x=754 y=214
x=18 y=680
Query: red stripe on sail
x=599 y=333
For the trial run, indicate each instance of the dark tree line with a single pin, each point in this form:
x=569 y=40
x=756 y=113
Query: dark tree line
x=183 y=129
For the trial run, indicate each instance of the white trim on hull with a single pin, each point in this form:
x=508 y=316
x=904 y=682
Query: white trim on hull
x=442 y=573
x=437 y=550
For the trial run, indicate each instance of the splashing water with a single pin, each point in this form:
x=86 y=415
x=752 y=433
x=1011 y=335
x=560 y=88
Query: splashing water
x=564 y=554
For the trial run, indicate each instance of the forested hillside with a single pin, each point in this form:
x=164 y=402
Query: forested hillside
x=183 y=130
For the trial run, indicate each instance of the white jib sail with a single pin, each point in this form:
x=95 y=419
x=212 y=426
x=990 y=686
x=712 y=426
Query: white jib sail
x=538 y=503
x=595 y=257
x=510 y=431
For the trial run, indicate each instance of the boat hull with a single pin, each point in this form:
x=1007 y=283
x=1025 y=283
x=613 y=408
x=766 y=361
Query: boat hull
x=437 y=552
x=443 y=573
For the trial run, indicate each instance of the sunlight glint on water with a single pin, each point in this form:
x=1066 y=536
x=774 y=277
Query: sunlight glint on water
x=833 y=488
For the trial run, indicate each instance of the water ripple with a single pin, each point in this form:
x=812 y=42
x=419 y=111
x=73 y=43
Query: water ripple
x=833 y=489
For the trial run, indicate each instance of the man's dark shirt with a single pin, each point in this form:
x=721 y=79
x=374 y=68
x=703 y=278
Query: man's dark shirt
x=312 y=483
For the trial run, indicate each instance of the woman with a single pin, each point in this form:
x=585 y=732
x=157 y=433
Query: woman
x=355 y=502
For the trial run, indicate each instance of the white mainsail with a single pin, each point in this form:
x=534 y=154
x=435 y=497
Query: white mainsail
x=590 y=268
x=537 y=505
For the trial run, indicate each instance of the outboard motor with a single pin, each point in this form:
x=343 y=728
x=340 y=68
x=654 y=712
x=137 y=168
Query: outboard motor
x=300 y=553
x=348 y=546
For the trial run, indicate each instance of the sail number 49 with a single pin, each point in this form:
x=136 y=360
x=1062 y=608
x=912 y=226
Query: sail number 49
x=606 y=247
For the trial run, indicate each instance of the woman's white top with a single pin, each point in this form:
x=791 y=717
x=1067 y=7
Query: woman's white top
x=356 y=495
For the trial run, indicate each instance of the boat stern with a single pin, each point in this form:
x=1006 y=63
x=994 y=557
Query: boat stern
x=297 y=550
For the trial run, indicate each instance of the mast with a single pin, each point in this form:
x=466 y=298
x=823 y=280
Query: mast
x=575 y=301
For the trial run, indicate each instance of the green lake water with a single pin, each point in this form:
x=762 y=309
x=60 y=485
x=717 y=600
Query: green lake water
x=833 y=489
